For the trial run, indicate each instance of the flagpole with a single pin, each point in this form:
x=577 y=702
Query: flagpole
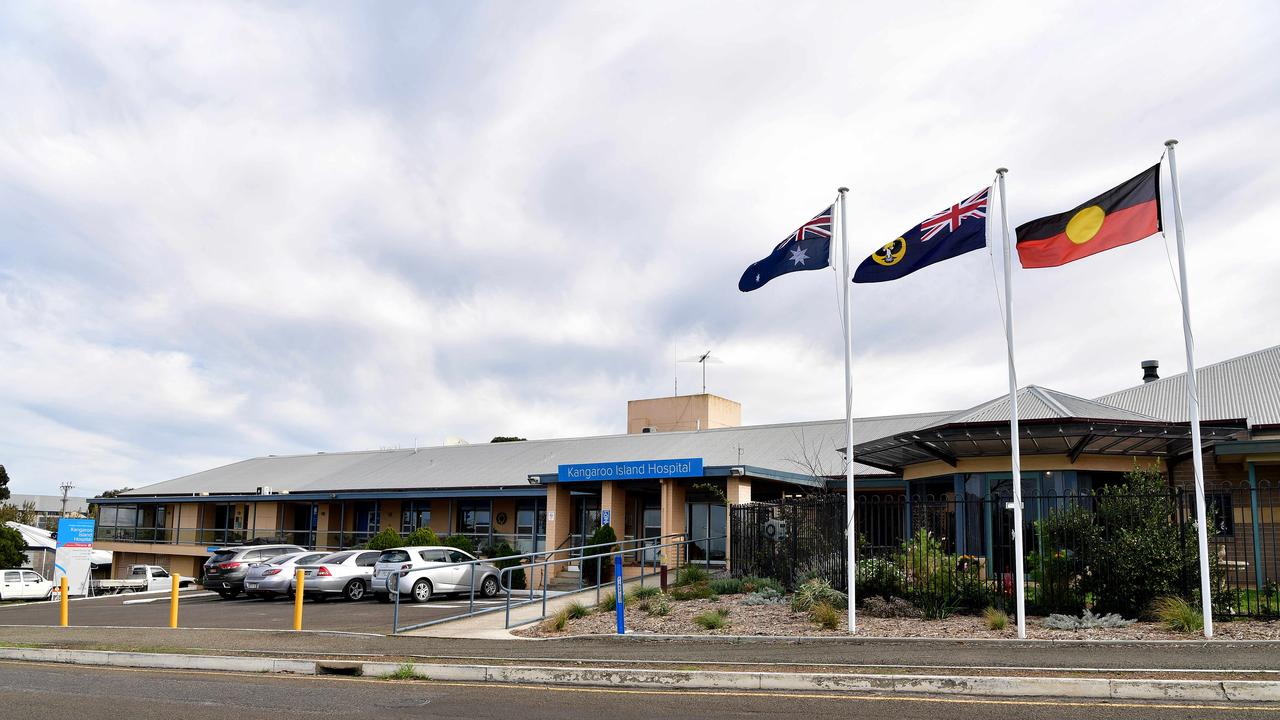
x=1193 y=399
x=1015 y=452
x=851 y=533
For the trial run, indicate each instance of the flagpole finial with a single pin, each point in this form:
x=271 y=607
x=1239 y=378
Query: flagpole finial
x=842 y=190
x=1170 y=142
x=1001 y=171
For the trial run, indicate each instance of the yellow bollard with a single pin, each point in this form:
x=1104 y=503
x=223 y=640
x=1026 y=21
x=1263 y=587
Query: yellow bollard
x=297 y=602
x=63 y=590
x=173 y=601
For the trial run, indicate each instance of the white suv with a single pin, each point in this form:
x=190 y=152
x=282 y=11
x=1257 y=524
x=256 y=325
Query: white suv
x=426 y=571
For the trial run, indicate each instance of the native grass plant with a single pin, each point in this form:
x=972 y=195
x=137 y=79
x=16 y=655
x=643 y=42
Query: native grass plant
x=643 y=593
x=698 y=591
x=715 y=619
x=1087 y=621
x=816 y=591
x=826 y=616
x=1177 y=614
x=995 y=619
x=576 y=611
x=559 y=621
x=726 y=586
x=657 y=605
x=753 y=584
x=766 y=596
x=406 y=671
x=608 y=603
x=692 y=575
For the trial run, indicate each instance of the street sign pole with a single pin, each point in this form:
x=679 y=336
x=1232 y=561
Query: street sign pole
x=617 y=593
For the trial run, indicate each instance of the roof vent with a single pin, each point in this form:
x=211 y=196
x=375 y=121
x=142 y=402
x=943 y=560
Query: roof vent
x=1149 y=370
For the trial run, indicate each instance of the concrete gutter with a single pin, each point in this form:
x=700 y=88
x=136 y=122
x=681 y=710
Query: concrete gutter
x=1015 y=686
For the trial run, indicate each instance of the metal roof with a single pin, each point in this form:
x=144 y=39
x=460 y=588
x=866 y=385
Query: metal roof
x=51 y=503
x=799 y=448
x=1038 y=403
x=1242 y=387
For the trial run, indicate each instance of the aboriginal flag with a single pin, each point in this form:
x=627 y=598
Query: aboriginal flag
x=1126 y=213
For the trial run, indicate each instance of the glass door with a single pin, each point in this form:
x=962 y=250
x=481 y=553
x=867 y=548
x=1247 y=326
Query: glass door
x=706 y=523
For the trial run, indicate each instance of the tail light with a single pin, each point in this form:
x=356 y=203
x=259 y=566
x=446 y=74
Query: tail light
x=406 y=566
x=228 y=565
x=272 y=571
x=323 y=572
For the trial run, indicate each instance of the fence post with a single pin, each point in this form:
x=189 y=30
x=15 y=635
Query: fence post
x=1256 y=517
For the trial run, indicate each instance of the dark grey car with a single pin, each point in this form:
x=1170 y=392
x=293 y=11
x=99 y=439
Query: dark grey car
x=224 y=571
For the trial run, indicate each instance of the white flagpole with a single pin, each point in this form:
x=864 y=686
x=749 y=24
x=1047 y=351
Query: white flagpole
x=851 y=527
x=1193 y=399
x=1015 y=453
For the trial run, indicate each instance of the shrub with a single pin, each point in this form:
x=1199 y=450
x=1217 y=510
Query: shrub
x=608 y=603
x=515 y=578
x=766 y=596
x=712 y=619
x=576 y=611
x=753 y=584
x=1087 y=621
x=816 y=591
x=726 y=586
x=384 y=540
x=995 y=619
x=559 y=620
x=11 y=548
x=691 y=575
x=827 y=617
x=462 y=542
x=1178 y=615
x=658 y=605
x=879 y=576
x=421 y=536
x=1066 y=536
x=642 y=593
x=701 y=591
x=603 y=534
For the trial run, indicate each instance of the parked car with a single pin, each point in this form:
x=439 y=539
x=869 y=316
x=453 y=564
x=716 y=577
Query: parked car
x=141 y=578
x=347 y=573
x=274 y=576
x=224 y=571
x=427 y=571
x=24 y=585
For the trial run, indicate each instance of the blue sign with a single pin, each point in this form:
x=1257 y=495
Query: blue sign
x=75 y=532
x=632 y=470
x=619 y=595
x=606 y=517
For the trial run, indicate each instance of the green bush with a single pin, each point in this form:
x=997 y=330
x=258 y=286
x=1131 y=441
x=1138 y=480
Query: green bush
x=816 y=591
x=385 y=540
x=826 y=616
x=515 y=578
x=753 y=584
x=700 y=591
x=712 y=619
x=11 y=548
x=1066 y=536
x=603 y=534
x=879 y=576
x=726 y=586
x=692 y=574
x=461 y=542
x=421 y=536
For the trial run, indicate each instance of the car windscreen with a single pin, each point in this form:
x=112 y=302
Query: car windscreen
x=333 y=559
x=222 y=556
x=307 y=559
x=390 y=556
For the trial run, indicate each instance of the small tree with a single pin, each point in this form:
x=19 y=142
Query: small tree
x=462 y=542
x=421 y=536
x=24 y=514
x=11 y=548
x=4 y=484
x=603 y=534
x=385 y=540
x=515 y=577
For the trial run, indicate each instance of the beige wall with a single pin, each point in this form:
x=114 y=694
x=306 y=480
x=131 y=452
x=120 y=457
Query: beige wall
x=440 y=516
x=508 y=506
x=266 y=516
x=673 y=494
x=390 y=514
x=1113 y=463
x=683 y=412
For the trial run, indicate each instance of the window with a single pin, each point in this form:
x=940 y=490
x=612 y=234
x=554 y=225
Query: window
x=457 y=556
x=12 y=576
x=30 y=576
x=1221 y=517
x=473 y=518
x=367 y=559
x=414 y=514
x=433 y=555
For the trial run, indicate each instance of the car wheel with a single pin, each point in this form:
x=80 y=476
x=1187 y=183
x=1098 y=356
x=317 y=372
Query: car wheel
x=422 y=591
x=382 y=597
x=354 y=590
x=227 y=594
x=489 y=586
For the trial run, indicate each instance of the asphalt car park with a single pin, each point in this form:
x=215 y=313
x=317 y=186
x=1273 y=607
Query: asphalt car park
x=203 y=609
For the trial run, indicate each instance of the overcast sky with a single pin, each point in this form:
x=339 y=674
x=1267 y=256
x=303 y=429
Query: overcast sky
x=230 y=230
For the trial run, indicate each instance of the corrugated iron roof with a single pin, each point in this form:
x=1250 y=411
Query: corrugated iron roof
x=790 y=447
x=1245 y=387
x=51 y=503
x=1040 y=403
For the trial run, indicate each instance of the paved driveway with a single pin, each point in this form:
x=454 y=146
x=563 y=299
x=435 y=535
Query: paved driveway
x=205 y=610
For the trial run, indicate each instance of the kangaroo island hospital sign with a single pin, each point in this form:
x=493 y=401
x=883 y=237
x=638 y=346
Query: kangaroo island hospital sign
x=631 y=470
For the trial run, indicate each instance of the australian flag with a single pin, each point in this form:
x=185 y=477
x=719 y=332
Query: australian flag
x=808 y=248
x=957 y=230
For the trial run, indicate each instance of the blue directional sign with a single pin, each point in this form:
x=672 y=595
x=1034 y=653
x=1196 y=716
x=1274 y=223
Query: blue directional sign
x=631 y=470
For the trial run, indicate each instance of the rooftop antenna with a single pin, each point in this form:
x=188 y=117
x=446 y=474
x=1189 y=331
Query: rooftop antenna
x=702 y=360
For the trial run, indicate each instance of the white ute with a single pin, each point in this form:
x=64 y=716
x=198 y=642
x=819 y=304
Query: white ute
x=141 y=578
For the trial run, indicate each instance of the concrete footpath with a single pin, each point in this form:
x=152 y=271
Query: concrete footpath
x=1216 y=670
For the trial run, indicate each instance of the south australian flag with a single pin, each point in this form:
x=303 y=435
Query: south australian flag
x=808 y=248
x=957 y=230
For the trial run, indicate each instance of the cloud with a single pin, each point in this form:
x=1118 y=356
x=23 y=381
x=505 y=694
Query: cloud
x=231 y=230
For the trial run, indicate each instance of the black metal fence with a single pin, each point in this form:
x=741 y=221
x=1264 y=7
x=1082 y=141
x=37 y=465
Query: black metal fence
x=1108 y=551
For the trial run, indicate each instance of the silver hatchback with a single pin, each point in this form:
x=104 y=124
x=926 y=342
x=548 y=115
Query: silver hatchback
x=347 y=573
x=275 y=576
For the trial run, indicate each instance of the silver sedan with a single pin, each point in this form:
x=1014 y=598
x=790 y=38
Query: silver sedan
x=345 y=573
x=275 y=576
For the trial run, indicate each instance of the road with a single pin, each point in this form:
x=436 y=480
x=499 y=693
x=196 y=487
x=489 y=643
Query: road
x=35 y=692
